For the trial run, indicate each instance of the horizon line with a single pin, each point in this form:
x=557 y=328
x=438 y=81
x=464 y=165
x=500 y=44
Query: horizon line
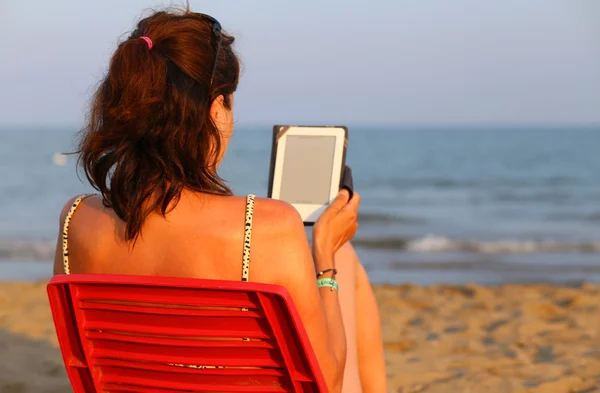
x=74 y=128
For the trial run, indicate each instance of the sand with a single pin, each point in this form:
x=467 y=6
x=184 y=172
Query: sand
x=439 y=339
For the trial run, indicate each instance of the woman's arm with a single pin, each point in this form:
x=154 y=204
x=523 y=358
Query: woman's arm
x=318 y=307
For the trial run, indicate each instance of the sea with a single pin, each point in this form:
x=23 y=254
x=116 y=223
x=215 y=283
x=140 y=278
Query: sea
x=454 y=205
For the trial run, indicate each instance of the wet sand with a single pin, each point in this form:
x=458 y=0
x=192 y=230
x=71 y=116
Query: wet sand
x=438 y=339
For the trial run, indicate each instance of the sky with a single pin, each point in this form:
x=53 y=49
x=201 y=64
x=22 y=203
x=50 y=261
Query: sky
x=385 y=62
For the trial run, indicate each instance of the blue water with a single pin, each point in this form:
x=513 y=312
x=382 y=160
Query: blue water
x=456 y=205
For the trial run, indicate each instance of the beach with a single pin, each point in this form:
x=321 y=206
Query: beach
x=533 y=338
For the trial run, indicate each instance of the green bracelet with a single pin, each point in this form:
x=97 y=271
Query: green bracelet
x=327 y=282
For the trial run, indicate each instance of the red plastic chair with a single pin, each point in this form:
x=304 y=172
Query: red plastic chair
x=139 y=334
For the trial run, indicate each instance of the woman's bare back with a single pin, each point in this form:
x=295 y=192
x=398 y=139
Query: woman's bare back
x=202 y=237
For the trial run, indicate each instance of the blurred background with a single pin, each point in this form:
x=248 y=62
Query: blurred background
x=474 y=126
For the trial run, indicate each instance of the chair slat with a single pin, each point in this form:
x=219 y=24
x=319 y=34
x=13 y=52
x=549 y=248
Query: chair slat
x=274 y=372
x=147 y=309
x=234 y=357
x=176 y=324
x=178 y=296
x=115 y=377
x=119 y=388
x=178 y=341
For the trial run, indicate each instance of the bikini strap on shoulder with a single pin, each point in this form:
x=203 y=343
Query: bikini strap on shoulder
x=247 y=237
x=65 y=231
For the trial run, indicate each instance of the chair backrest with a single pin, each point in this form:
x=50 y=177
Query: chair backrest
x=139 y=334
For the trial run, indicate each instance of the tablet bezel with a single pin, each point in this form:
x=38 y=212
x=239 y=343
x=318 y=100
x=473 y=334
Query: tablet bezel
x=309 y=212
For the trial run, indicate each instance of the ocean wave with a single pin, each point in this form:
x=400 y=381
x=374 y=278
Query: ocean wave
x=44 y=250
x=442 y=183
x=473 y=183
x=383 y=218
x=27 y=250
x=432 y=244
x=573 y=216
x=553 y=196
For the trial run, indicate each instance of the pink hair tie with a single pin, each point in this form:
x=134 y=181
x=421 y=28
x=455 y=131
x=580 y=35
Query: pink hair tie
x=148 y=41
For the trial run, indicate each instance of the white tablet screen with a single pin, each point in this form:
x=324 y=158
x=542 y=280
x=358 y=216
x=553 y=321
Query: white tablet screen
x=307 y=169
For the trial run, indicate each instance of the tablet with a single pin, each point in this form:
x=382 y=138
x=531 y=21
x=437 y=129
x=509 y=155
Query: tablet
x=306 y=167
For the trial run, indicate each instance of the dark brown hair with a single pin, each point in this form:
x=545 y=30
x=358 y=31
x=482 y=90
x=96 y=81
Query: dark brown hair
x=149 y=134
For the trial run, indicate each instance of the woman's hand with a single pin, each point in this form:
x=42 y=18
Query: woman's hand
x=337 y=225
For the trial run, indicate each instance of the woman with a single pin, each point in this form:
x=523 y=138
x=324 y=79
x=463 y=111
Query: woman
x=158 y=128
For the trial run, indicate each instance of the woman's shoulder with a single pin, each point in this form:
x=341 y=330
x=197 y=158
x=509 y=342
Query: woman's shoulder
x=277 y=214
x=75 y=202
x=278 y=226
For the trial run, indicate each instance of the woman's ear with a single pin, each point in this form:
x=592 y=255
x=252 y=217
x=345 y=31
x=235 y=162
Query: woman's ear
x=217 y=109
